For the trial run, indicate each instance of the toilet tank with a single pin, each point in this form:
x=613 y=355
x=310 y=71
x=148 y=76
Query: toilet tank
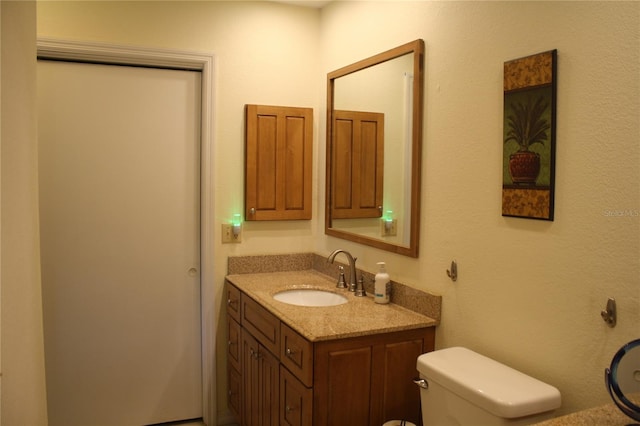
x=466 y=388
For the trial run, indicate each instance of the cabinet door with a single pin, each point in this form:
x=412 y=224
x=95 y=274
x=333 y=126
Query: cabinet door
x=260 y=384
x=234 y=386
x=358 y=156
x=278 y=162
x=233 y=343
x=250 y=381
x=342 y=385
x=400 y=396
x=234 y=363
x=269 y=388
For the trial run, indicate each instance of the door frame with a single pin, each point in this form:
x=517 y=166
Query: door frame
x=50 y=48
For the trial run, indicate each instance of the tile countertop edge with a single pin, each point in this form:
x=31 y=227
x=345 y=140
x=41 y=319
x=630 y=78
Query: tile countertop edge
x=358 y=317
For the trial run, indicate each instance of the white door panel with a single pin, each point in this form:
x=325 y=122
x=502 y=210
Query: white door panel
x=119 y=200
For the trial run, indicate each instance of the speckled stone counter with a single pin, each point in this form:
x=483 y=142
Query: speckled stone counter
x=359 y=316
x=422 y=302
x=605 y=415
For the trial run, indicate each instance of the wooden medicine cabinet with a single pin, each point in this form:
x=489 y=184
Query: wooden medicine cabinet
x=278 y=162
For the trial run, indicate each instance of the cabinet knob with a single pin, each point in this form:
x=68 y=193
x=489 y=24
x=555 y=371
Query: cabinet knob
x=289 y=409
x=231 y=302
x=289 y=352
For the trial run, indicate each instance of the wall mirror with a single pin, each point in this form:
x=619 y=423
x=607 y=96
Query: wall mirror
x=374 y=144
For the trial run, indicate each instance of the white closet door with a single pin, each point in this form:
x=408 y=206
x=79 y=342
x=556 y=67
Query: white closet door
x=119 y=181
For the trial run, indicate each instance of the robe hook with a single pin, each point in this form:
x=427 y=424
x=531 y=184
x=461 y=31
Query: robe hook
x=453 y=272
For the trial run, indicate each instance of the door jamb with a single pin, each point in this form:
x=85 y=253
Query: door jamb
x=49 y=48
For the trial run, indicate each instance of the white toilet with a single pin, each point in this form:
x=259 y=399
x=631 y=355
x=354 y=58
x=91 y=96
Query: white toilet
x=461 y=387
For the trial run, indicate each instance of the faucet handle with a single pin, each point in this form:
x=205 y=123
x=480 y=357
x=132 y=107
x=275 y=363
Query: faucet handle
x=342 y=282
x=360 y=287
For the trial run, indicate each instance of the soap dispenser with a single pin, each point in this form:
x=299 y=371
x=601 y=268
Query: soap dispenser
x=382 y=288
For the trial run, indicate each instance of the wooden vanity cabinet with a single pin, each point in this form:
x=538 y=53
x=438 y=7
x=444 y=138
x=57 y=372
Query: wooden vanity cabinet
x=285 y=379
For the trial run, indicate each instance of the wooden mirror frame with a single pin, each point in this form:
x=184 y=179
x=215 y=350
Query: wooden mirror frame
x=417 y=49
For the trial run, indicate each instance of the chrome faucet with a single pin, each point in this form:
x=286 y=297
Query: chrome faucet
x=353 y=286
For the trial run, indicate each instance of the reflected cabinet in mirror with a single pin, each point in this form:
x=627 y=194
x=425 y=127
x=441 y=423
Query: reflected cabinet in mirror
x=374 y=140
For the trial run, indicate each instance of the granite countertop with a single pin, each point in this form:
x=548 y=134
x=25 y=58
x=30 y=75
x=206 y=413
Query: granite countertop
x=604 y=415
x=359 y=316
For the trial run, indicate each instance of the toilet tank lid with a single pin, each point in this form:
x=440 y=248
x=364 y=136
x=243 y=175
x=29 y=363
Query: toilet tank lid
x=493 y=386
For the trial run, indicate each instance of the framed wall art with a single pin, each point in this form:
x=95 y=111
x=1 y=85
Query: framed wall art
x=528 y=158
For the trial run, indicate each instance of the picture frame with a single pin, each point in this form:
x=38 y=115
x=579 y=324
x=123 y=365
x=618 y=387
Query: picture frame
x=529 y=136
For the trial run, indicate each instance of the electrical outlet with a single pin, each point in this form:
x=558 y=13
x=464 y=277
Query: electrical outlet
x=388 y=228
x=227 y=234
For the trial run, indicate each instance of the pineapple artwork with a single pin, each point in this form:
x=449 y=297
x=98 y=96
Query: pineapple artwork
x=528 y=158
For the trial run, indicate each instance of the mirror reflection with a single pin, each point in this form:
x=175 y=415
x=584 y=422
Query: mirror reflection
x=373 y=150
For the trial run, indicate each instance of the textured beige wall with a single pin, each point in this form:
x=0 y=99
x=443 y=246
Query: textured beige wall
x=23 y=379
x=529 y=292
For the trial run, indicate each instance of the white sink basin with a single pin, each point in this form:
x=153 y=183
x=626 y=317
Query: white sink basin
x=310 y=297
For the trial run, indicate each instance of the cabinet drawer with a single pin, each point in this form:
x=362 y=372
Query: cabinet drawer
x=296 y=401
x=233 y=342
x=233 y=301
x=234 y=385
x=296 y=353
x=262 y=324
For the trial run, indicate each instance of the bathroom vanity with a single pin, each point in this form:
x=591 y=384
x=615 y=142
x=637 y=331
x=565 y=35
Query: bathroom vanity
x=350 y=364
